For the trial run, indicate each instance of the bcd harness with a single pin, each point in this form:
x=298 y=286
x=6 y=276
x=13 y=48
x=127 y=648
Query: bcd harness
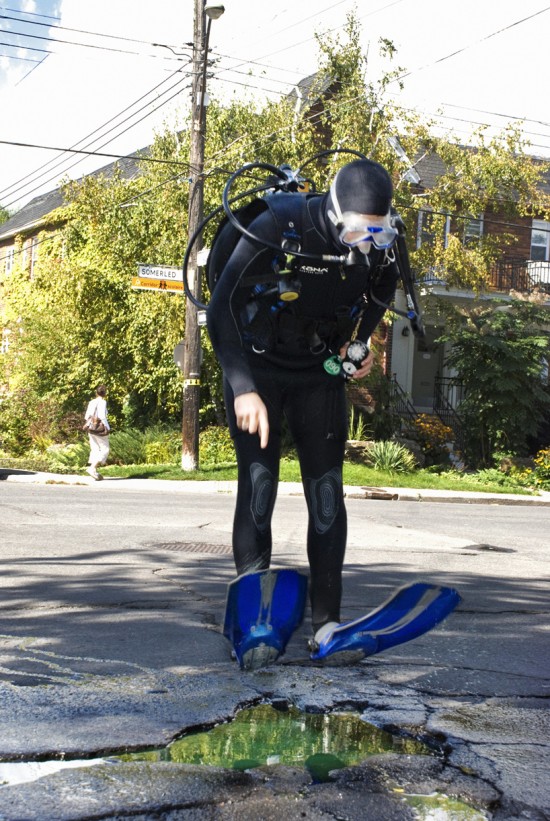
x=286 y=183
x=271 y=317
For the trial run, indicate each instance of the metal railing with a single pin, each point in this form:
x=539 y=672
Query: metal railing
x=510 y=275
x=504 y=275
x=400 y=403
x=448 y=394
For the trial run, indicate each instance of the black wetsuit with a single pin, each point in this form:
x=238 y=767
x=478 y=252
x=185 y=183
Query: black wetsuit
x=277 y=349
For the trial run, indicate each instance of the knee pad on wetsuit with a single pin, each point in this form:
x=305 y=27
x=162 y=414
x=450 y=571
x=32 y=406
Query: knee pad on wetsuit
x=324 y=496
x=261 y=501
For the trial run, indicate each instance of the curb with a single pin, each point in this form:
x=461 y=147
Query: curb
x=393 y=494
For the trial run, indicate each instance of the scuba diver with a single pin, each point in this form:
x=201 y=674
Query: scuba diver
x=287 y=337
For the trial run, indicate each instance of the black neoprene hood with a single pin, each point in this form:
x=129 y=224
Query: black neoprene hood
x=362 y=186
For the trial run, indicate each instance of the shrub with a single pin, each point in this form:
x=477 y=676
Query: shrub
x=33 y=462
x=157 y=445
x=68 y=456
x=432 y=436
x=389 y=456
x=512 y=480
x=542 y=469
x=216 y=445
x=357 y=429
x=164 y=451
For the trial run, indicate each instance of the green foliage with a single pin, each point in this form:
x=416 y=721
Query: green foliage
x=29 y=421
x=215 y=446
x=379 y=422
x=432 y=435
x=32 y=461
x=498 y=352
x=155 y=445
x=14 y=425
x=494 y=476
x=61 y=458
x=357 y=428
x=165 y=450
x=542 y=469
x=389 y=456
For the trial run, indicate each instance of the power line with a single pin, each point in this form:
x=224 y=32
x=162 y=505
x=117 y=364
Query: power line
x=456 y=215
x=30 y=71
x=471 y=45
x=271 y=91
x=80 y=45
x=442 y=116
x=31 y=13
x=15 y=57
x=83 y=31
x=40 y=172
x=139 y=157
x=404 y=108
x=487 y=37
x=497 y=114
x=27 y=48
x=97 y=153
x=248 y=85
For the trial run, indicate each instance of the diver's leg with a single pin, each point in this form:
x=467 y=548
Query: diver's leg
x=258 y=476
x=317 y=416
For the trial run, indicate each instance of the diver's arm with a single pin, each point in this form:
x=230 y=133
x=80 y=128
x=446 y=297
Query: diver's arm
x=228 y=302
x=380 y=297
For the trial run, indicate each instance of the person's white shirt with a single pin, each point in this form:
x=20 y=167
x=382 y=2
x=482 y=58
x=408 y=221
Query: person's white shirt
x=98 y=407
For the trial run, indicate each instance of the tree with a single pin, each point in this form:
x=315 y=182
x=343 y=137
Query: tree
x=501 y=355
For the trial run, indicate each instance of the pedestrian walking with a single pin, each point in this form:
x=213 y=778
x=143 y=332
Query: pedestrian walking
x=98 y=428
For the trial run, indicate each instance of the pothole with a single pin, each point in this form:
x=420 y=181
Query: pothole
x=266 y=735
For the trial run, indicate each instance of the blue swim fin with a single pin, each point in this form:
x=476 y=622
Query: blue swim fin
x=409 y=612
x=263 y=609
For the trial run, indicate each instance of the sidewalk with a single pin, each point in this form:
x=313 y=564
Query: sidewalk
x=398 y=494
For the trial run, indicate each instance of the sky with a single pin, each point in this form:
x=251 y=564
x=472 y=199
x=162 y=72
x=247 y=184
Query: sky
x=104 y=76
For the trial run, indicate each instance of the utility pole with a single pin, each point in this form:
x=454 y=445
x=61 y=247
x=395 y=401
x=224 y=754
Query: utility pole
x=192 y=351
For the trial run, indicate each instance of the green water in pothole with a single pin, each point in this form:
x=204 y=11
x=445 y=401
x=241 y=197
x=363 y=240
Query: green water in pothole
x=263 y=735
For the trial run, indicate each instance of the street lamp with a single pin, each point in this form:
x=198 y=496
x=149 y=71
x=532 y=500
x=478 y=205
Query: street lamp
x=192 y=350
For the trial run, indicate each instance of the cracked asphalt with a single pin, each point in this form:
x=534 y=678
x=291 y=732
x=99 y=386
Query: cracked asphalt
x=112 y=595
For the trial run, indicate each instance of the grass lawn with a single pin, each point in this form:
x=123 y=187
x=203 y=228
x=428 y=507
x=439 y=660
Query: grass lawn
x=354 y=474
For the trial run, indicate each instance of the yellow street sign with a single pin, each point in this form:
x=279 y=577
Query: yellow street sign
x=147 y=284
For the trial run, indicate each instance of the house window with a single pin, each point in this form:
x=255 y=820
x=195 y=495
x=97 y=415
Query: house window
x=429 y=226
x=540 y=241
x=9 y=259
x=473 y=230
x=34 y=254
x=5 y=341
